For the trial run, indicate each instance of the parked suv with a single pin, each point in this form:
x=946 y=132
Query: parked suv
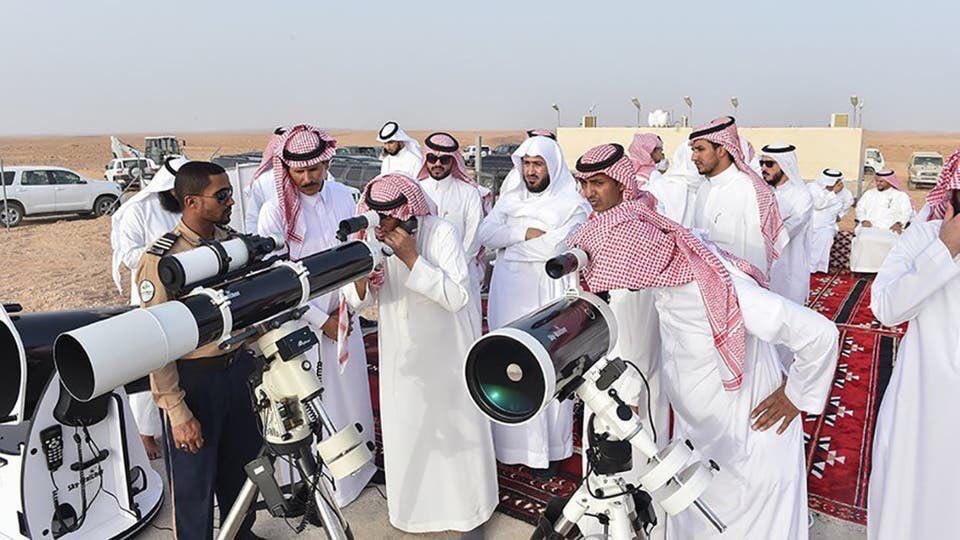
x=33 y=191
x=125 y=171
x=924 y=168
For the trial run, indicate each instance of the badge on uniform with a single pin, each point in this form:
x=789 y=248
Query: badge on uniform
x=147 y=290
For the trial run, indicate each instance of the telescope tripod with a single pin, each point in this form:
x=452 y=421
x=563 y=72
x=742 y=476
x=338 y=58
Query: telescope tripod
x=287 y=398
x=260 y=473
x=623 y=508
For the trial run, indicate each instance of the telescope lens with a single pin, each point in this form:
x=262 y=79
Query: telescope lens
x=505 y=379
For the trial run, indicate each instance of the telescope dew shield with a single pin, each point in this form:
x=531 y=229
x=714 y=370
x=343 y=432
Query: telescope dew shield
x=97 y=358
x=513 y=372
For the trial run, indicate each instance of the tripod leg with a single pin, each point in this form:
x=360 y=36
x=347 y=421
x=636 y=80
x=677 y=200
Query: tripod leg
x=248 y=494
x=334 y=524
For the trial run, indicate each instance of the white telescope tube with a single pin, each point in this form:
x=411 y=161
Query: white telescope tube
x=124 y=348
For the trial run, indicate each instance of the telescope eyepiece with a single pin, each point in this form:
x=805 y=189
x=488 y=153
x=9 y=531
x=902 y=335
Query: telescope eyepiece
x=356 y=224
x=566 y=263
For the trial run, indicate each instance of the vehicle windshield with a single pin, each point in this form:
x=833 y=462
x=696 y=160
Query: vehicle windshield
x=928 y=161
x=873 y=154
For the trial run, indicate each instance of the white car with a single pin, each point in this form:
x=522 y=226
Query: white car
x=126 y=170
x=873 y=160
x=34 y=191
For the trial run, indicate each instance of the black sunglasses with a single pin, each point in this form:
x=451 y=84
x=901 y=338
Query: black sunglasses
x=444 y=160
x=768 y=163
x=221 y=196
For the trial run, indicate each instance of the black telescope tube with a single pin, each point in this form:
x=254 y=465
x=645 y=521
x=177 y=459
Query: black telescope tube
x=274 y=291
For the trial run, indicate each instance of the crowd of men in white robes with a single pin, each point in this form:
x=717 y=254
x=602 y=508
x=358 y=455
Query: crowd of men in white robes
x=706 y=260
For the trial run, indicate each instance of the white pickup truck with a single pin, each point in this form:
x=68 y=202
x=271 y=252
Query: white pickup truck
x=33 y=191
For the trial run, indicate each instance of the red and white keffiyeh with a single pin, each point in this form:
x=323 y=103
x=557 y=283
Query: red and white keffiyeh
x=396 y=195
x=631 y=246
x=949 y=181
x=611 y=160
x=443 y=144
x=301 y=146
x=723 y=131
x=266 y=162
x=397 y=191
x=891 y=178
x=640 y=151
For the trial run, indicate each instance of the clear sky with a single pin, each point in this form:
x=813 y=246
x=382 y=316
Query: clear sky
x=89 y=66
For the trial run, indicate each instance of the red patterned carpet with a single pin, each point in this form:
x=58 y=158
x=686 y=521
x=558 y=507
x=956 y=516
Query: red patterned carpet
x=838 y=441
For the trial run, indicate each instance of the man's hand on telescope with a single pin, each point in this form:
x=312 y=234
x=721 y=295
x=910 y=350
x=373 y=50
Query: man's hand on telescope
x=188 y=436
x=404 y=246
x=776 y=408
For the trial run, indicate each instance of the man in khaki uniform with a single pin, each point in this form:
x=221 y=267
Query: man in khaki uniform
x=211 y=432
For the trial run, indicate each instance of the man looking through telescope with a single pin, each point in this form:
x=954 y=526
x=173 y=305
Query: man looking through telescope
x=307 y=214
x=211 y=432
x=437 y=447
x=720 y=370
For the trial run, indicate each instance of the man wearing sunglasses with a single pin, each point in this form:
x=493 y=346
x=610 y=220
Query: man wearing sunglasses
x=790 y=275
x=454 y=197
x=210 y=430
x=308 y=215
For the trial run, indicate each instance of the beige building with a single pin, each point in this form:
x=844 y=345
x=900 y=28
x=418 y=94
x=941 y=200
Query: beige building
x=817 y=148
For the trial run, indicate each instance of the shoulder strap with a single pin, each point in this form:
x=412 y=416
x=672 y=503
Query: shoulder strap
x=163 y=244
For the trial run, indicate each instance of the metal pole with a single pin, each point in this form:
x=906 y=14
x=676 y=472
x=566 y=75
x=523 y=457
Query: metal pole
x=638 y=117
x=3 y=182
x=558 y=117
x=478 y=160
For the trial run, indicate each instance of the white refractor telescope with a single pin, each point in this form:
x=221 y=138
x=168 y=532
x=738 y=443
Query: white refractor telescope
x=97 y=358
x=559 y=350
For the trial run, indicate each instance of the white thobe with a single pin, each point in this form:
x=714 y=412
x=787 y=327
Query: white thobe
x=790 y=274
x=262 y=189
x=460 y=203
x=727 y=208
x=346 y=396
x=827 y=209
x=139 y=227
x=760 y=491
x=518 y=286
x=847 y=199
x=872 y=244
x=913 y=487
x=676 y=197
x=884 y=208
x=405 y=162
x=437 y=447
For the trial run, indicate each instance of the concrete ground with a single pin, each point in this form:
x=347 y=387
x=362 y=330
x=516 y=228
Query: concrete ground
x=368 y=518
